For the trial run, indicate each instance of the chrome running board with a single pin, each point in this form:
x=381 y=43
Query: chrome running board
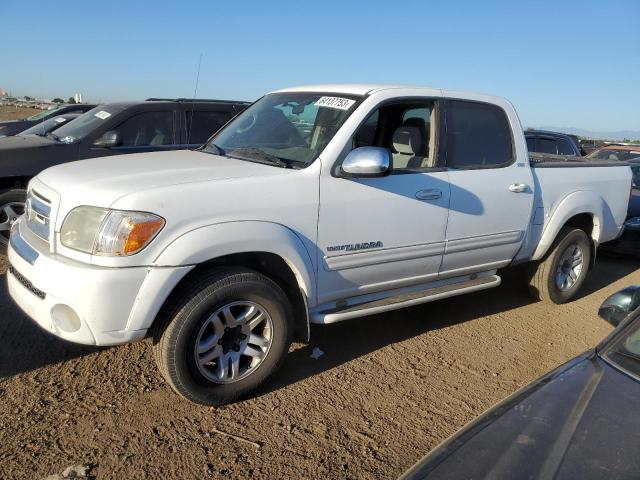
x=404 y=300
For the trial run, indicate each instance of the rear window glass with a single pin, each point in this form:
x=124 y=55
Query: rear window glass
x=201 y=125
x=478 y=136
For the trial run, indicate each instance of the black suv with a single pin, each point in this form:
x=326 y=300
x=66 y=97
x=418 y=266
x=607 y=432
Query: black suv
x=552 y=142
x=112 y=129
x=14 y=127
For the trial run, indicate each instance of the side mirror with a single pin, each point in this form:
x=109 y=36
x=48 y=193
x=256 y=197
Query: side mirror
x=366 y=162
x=108 y=139
x=619 y=305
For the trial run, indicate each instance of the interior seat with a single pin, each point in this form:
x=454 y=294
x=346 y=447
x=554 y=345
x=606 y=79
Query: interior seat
x=408 y=145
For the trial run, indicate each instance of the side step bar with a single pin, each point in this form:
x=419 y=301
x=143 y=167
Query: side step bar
x=406 y=300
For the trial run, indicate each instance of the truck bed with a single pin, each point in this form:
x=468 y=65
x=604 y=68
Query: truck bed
x=550 y=160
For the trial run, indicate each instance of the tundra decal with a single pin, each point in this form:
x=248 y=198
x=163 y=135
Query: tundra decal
x=350 y=247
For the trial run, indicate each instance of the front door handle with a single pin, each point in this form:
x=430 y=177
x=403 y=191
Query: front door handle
x=519 y=188
x=429 y=194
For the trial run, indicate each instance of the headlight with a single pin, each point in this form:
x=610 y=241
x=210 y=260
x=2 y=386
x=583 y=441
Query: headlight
x=111 y=233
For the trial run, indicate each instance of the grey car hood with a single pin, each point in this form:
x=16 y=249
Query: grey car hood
x=580 y=422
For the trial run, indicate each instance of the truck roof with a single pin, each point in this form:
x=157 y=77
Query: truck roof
x=369 y=88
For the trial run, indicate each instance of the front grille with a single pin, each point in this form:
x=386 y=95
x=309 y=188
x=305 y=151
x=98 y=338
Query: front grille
x=38 y=214
x=26 y=283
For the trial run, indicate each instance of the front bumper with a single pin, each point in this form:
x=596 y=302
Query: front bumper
x=84 y=303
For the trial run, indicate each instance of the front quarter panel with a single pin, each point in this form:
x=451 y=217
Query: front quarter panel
x=215 y=241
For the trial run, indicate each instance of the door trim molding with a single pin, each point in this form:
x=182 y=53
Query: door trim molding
x=380 y=256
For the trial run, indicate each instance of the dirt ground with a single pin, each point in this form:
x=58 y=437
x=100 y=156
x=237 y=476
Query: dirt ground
x=387 y=389
x=16 y=113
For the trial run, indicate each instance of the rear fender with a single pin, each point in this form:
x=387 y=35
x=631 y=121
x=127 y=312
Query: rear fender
x=583 y=202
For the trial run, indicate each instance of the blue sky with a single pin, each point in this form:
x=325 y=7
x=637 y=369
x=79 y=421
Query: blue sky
x=562 y=63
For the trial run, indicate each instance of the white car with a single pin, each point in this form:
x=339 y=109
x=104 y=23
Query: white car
x=315 y=205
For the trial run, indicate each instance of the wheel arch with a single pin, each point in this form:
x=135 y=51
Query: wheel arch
x=582 y=210
x=268 y=248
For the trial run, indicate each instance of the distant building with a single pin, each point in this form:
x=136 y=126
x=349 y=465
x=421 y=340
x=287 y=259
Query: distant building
x=3 y=93
x=77 y=97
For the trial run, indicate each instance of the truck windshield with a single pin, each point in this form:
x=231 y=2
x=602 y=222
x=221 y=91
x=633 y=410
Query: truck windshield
x=85 y=123
x=290 y=128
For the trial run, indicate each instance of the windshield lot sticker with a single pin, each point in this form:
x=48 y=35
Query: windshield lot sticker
x=102 y=115
x=60 y=120
x=335 y=102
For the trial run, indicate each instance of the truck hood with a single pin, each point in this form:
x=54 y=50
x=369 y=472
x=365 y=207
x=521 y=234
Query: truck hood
x=101 y=181
x=577 y=422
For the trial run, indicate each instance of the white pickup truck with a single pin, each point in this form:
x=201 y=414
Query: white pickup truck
x=315 y=205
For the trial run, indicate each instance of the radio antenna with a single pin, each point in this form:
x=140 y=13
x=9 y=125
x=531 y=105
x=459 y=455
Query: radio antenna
x=195 y=92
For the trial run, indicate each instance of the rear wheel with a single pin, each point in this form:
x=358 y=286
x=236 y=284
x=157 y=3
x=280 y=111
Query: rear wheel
x=226 y=334
x=12 y=204
x=559 y=276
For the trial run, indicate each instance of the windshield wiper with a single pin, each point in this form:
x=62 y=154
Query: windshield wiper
x=212 y=148
x=257 y=155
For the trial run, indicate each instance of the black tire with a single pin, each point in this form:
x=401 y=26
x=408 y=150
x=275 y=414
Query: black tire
x=175 y=332
x=16 y=200
x=542 y=274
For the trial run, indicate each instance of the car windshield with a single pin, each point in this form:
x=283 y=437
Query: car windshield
x=287 y=129
x=45 y=127
x=624 y=351
x=44 y=114
x=85 y=123
x=608 y=154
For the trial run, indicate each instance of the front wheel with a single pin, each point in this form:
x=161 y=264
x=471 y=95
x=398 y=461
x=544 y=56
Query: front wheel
x=12 y=204
x=226 y=334
x=559 y=276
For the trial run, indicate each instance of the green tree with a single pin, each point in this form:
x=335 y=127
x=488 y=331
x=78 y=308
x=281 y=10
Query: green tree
x=57 y=100
x=71 y=100
x=27 y=98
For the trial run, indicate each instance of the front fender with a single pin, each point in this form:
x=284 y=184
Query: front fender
x=576 y=203
x=214 y=241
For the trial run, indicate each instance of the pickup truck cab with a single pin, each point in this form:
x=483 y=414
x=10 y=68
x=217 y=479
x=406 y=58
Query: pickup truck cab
x=315 y=205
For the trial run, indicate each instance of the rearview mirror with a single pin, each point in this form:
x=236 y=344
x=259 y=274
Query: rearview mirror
x=108 y=139
x=367 y=162
x=619 y=305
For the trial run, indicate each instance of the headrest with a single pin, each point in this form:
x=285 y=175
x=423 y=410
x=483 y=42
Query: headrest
x=408 y=140
x=415 y=122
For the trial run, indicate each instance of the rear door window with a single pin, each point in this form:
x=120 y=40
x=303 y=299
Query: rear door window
x=477 y=136
x=547 y=145
x=200 y=125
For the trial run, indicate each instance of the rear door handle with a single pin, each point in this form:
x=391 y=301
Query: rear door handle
x=519 y=188
x=429 y=194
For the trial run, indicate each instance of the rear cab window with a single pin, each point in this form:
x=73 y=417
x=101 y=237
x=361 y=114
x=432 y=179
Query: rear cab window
x=478 y=135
